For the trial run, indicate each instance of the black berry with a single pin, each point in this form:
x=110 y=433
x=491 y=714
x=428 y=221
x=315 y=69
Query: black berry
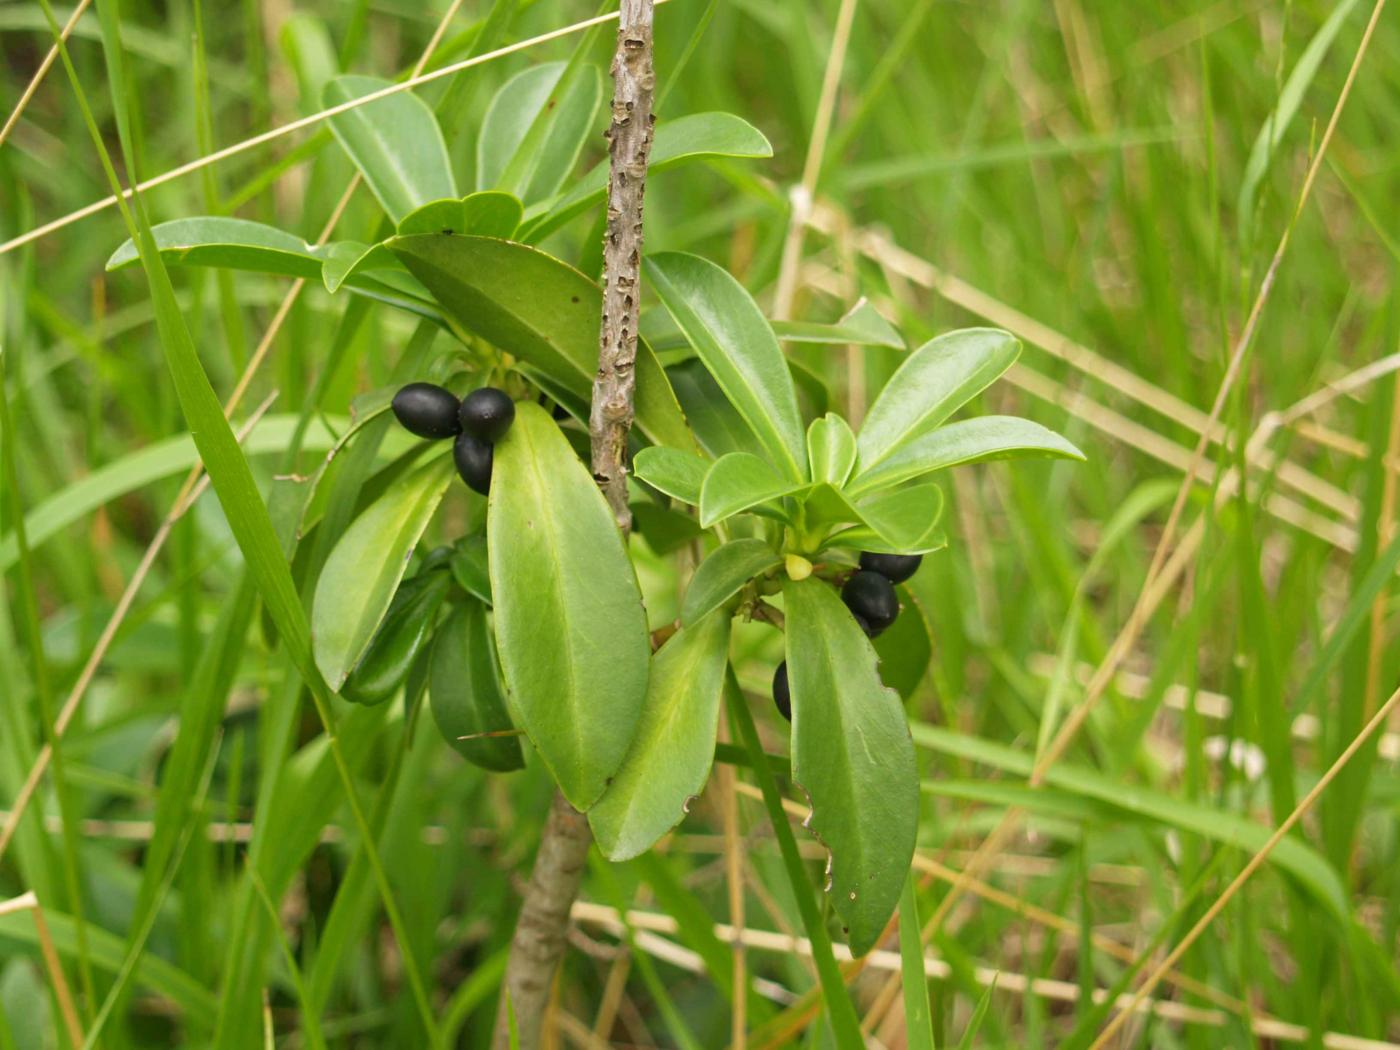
x=871 y=597
x=782 y=695
x=427 y=410
x=487 y=414
x=473 y=458
x=894 y=567
x=864 y=625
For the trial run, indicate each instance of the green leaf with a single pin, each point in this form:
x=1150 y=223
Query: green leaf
x=234 y=244
x=739 y=482
x=464 y=691
x=718 y=428
x=470 y=569
x=677 y=473
x=966 y=441
x=905 y=648
x=863 y=325
x=489 y=213
x=346 y=259
x=665 y=529
x=360 y=577
x=918 y=1016
x=542 y=311
x=401 y=637
x=535 y=128
x=696 y=136
x=395 y=142
x=897 y=521
x=570 y=627
x=723 y=573
x=669 y=761
x=853 y=756
x=934 y=382
x=831 y=449
x=738 y=348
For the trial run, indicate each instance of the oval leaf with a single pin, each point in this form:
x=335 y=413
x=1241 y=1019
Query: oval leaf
x=831 y=449
x=966 y=441
x=676 y=473
x=897 y=521
x=486 y=214
x=934 y=382
x=733 y=340
x=394 y=141
x=535 y=129
x=464 y=692
x=670 y=758
x=853 y=756
x=723 y=573
x=570 y=627
x=541 y=310
x=692 y=137
x=234 y=244
x=400 y=639
x=362 y=573
x=738 y=482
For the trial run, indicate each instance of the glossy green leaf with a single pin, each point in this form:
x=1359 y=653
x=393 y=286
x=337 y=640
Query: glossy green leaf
x=360 y=577
x=897 y=521
x=933 y=382
x=677 y=473
x=570 y=628
x=831 y=449
x=696 y=136
x=464 y=691
x=346 y=259
x=905 y=648
x=401 y=637
x=718 y=428
x=966 y=441
x=395 y=142
x=863 y=325
x=739 y=482
x=535 y=128
x=542 y=311
x=723 y=573
x=666 y=530
x=669 y=761
x=733 y=339
x=853 y=756
x=234 y=244
x=470 y=569
x=489 y=213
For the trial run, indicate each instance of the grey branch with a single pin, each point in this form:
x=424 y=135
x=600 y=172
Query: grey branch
x=629 y=147
x=542 y=928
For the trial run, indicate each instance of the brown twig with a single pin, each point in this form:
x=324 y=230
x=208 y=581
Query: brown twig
x=540 y=932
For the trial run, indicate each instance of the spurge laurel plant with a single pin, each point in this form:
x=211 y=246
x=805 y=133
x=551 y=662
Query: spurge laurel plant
x=532 y=625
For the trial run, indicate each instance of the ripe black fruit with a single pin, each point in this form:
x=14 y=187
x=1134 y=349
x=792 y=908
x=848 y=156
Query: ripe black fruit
x=782 y=695
x=894 y=567
x=473 y=458
x=427 y=410
x=487 y=414
x=871 y=597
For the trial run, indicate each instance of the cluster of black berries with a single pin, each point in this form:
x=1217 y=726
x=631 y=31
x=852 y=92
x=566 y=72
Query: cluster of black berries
x=477 y=422
x=869 y=594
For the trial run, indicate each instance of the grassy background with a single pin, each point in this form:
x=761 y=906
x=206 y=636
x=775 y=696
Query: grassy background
x=1078 y=172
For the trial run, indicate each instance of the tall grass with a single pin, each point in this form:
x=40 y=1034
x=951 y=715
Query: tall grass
x=1109 y=181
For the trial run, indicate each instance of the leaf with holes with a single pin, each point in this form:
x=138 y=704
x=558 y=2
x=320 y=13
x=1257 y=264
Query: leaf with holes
x=853 y=756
